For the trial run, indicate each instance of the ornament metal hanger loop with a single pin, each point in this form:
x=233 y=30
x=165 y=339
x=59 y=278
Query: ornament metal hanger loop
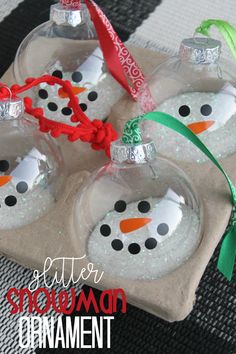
x=196 y=38
x=11 y=107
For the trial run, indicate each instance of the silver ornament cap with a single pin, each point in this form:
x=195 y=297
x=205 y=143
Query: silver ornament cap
x=200 y=50
x=11 y=109
x=133 y=154
x=63 y=16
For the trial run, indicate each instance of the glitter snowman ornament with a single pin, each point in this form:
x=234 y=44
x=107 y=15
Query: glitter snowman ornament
x=198 y=88
x=31 y=168
x=67 y=47
x=140 y=213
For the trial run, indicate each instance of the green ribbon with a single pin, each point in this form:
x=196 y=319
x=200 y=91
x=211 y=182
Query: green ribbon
x=225 y=28
x=132 y=135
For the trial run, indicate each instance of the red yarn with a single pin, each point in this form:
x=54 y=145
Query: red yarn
x=98 y=134
x=71 y=4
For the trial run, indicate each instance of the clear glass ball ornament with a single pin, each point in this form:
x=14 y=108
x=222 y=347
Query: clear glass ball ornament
x=67 y=47
x=31 y=168
x=139 y=215
x=198 y=88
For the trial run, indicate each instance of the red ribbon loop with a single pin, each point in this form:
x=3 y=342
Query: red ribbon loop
x=120 y=62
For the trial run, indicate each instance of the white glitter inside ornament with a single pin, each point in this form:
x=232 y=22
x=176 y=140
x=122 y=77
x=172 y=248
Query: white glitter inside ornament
x=29 y=206
x=31 y=173
x=139 y=216
x=167 y=236
x=27 y=196
x=97 y=90
x=212 y=116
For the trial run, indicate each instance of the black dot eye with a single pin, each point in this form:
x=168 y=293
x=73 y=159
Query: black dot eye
x=206 y=110
x=92 y=96
x=120 y=206
x=22 y=187
x=163 y=229
x=10 y=201
x=184 y=111
x=151 y=243
x=105 y=230
x=134 y=248
x=144 y=207
x=4 y=165
x=77 y=76
x=43 y=94
x=52 y=106
x=117 y=245
x=83 y=106
x=57 y=73
x=66 y=111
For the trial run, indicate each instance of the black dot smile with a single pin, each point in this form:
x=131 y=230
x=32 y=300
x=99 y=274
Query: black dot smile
x=134 y=248
x=52 y=106
x=43 y=94
x=105 y=230
x=83 y=106
x=21 y=186
x=117 y=245
x=10 y=200
x=66 y=111
x=151 y=243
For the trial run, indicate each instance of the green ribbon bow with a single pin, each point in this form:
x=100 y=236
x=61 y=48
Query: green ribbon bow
x=132 y=135
x=225 y=28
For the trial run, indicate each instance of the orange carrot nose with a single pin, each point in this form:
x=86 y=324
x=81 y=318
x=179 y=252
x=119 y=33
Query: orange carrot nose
x=76 y=91
x=4 y=180
x=130 y=225
x=200 y=127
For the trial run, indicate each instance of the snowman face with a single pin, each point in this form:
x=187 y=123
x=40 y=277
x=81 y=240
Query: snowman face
x=203 y=112
x=145 y=239
x=96 y=90
x=23 y=196
x=211 y=116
